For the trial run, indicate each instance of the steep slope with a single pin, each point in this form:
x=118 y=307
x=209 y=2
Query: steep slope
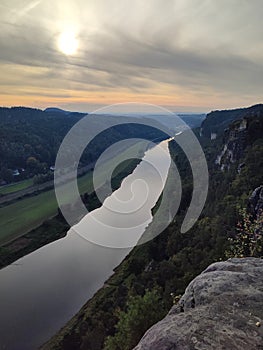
x=161 y=269
x=216 y=121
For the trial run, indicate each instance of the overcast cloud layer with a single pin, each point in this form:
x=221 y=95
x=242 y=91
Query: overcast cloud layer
x=200 y=54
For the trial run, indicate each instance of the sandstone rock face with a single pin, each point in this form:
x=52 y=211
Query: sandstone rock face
x=236 y=142
x=256 y=201
x=222 y=308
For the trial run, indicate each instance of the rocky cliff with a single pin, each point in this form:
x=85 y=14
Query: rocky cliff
x=222 y=308
x=256 y=201
x=216 y=121
x=237 y=137
x=235 y=144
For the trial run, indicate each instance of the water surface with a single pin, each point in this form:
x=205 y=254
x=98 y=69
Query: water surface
x=40 y=292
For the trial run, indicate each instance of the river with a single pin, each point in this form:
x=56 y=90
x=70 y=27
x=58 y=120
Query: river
x=40 y=292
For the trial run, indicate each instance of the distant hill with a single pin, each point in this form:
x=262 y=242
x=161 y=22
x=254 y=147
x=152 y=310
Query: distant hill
x=30 y=139
x=216 y=121
x=193 y=120
x=170 y=121
x=56 y=110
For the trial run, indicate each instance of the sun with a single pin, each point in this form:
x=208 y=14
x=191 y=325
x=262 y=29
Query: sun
x=68 y=43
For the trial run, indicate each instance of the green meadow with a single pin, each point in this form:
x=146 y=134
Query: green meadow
x=25 y=214
x=16 y=186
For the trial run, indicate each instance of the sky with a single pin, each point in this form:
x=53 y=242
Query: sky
x=186 y=55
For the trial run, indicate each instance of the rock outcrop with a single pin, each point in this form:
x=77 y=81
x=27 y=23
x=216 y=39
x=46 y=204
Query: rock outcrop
x=222 y=308
x=216 y=121
x=236 y=142
x=256 y=201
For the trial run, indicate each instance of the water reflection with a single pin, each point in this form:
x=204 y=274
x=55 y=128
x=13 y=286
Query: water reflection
x=43 y=290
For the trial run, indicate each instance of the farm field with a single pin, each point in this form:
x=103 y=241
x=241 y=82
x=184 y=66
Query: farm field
x=16 y=186
x=25 y=214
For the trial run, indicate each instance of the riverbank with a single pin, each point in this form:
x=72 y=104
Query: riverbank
x=159 y=269
x=33 y=210
x=56 y=227
x=56 y=280
x=100 y=314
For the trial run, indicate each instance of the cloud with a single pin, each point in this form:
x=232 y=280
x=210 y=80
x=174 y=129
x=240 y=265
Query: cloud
x=185 y=47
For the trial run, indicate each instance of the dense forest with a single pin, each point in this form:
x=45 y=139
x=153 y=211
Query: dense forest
x=154 y=275
x=30 y=139
x=217 y=121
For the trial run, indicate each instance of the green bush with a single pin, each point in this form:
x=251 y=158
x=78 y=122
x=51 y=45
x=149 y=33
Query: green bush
x=248 y=240
x=142 y=312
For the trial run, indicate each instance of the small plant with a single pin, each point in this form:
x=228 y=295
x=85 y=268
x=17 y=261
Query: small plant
x=249 y=236
x=175 y=298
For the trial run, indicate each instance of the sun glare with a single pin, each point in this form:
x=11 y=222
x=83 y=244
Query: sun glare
x=68 y=43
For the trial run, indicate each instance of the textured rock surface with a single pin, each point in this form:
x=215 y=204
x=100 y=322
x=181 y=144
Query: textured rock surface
x=221 y=309
x=256 y=200
x=236 y=142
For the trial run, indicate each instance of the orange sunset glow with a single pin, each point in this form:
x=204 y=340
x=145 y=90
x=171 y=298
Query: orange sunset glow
x=83 y=54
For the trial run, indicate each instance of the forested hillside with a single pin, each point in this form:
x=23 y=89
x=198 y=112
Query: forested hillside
x=154 y=275
x=217 y=121
x=30 y=138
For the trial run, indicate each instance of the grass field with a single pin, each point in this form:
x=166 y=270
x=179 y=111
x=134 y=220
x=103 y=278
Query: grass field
x=16 y=186
x=22 y=216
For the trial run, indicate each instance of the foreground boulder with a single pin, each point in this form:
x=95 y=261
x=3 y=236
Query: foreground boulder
x=222 y=308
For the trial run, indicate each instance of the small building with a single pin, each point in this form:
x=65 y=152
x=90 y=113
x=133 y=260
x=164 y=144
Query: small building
x=16 y=172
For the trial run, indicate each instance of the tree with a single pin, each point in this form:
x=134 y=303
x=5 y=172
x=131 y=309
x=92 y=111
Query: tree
x=32 y=162
x=6 y=175
x=142 y=312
